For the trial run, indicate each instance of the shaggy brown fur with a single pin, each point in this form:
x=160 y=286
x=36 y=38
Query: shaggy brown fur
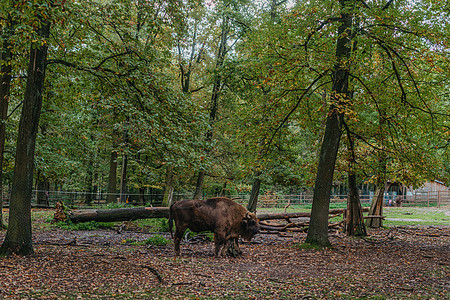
x=226 y=218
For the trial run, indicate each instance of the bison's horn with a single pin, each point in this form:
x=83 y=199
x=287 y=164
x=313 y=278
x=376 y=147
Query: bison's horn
x=247 y=215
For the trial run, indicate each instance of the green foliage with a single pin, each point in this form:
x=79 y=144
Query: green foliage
x=92 y=225
x=157 y=240
x=122 y=66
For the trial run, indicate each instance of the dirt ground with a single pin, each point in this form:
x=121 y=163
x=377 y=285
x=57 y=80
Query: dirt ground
x=396 y=263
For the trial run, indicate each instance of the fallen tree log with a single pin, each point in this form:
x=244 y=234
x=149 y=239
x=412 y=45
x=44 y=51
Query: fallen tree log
x=135 y=213
x=118 y=214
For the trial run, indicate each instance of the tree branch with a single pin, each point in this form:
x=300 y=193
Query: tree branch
x=386 y=6
x=299 y=99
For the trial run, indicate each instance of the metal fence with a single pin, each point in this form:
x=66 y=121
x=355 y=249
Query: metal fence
x=267 y=200
x=430 y=199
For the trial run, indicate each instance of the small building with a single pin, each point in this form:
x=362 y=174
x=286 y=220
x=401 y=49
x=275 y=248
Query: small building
x=430 y=193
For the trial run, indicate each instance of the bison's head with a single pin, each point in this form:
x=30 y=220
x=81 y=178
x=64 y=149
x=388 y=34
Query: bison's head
x=249 y=226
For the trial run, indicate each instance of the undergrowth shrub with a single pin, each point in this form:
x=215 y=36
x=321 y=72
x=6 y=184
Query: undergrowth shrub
x=157 y=240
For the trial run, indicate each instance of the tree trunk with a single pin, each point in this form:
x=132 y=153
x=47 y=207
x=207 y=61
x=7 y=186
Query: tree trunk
x=168 y=188
x=123 y=177
x=112 y=178
x=118 y=214
x=123 y=180
x=89 y=180
x=5 y=87
x=253 y=201
x=354 y=220
x=198 y=194
x=214 y=105
x=376 y=207
x=318 y=230
x=18 y=238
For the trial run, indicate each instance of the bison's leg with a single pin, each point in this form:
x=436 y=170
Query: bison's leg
x=235 y=247
x=232 y=248
x=177 y=239
x=226 y=247
x=219 y=242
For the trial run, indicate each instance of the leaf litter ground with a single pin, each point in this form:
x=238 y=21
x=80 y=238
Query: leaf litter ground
x=397 y=263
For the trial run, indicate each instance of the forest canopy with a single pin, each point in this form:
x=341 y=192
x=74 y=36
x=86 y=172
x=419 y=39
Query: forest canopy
x=142 y=95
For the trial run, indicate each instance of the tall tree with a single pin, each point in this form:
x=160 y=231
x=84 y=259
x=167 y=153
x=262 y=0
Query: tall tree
x=215 y=94
x=18 y=239
x=318 y=229
x=256 y=184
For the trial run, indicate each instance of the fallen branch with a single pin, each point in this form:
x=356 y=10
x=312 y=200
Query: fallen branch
x=281 y=216
x=336 y=225
x=374 y=217
x=154 y=271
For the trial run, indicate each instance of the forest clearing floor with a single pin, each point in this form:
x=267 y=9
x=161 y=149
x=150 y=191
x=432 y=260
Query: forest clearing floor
x=403 y=262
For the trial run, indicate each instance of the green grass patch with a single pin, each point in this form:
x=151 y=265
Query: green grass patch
x=157 y=240
x=415 y=216
x=92 y=225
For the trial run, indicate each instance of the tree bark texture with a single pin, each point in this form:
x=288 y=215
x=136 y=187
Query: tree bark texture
x=376 y=207
x=253 y=201
x=18 y=238
x=123 y=177
x=318 y=230
x=198 y=194
x=118 y=214
x=354 y=220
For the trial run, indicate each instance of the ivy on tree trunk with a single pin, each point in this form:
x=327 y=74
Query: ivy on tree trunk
x=318 y=229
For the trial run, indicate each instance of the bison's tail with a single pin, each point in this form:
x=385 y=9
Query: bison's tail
x=171 y=221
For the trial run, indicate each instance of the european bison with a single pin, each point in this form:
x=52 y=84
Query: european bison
x=226 y=218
